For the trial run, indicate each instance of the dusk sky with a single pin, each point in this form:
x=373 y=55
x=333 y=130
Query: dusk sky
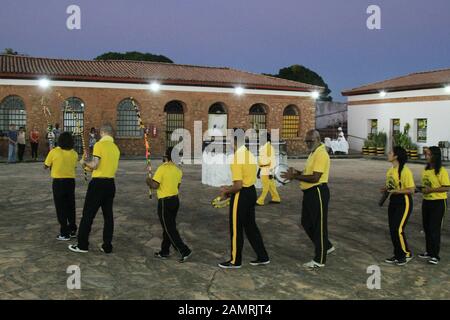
x=328 y=36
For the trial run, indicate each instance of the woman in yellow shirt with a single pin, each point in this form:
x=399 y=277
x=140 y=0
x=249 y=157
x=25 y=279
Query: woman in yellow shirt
x=62 y=161
x=435 y=185
x=400 y=185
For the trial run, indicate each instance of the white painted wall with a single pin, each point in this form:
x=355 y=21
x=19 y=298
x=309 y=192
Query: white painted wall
x=437 y=113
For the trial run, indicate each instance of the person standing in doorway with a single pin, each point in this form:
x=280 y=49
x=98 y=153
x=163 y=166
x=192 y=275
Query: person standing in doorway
x=92 y=140
x=34 y=142
x=21 y=142
x=12 y=143
x=56 y=133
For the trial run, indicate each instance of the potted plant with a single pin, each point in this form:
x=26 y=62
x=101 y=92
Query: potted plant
x=380 y=141
x=413 y=154
x=365 y=148
x=372 y=147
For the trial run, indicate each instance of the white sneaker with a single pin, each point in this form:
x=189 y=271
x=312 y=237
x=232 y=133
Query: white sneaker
x=62 y=238
x=313 y=265
x=74 y=248
x=331 y=250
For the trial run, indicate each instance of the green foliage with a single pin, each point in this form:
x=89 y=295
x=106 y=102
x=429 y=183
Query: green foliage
x=133 y=56
x=302 y=74
x=10 y=51
x=380 y=139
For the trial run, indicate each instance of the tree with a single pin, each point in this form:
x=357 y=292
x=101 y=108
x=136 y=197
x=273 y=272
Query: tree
x=133 y=55
x=302 y=74
x=10 y=51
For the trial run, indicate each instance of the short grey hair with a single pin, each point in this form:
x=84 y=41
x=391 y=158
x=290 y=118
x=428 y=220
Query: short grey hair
x=314 y=134
x=107 y=128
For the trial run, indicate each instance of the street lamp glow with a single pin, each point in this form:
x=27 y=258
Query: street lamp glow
x=155 y=86
x=383 y=94
x=44 y=83
x=239 y=91
x=315 y=95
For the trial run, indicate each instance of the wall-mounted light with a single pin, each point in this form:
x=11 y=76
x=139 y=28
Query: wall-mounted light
x=155 y=86
x=315 y=95
x=239 y=91
x=44 y=83
x=383 y=94
x=447 y=89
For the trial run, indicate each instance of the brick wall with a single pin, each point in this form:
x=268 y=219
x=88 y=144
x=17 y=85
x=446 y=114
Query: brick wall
x=101 y=106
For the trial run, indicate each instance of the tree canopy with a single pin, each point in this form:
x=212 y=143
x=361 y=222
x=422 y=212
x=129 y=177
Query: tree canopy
x=133 y=55
x=302 y=74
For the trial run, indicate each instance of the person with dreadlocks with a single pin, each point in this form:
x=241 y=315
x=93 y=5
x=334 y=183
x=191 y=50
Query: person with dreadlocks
x=435 y=185
x=400 y=185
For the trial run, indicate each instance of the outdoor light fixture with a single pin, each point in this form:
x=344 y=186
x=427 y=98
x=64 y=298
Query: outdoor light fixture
x=447 y=89
x=239 y=91
x=155 y=86
x=44 y=83
x=315 y=95
x=383 y=94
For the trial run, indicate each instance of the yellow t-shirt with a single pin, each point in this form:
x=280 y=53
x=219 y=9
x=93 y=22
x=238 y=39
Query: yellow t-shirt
x=168 y=175
x=318 y=161
x=108 y=153
x=62 y=162
x=394 y=183
x=266 y=159
x=243 y=167
x=431 y=180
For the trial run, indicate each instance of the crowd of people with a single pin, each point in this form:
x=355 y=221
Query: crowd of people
x=18 y=141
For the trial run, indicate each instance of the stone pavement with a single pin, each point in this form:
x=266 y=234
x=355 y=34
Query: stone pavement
x=33 y=264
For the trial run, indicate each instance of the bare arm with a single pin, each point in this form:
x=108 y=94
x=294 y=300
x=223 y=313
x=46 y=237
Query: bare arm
x=227 y=191
x=92 y=165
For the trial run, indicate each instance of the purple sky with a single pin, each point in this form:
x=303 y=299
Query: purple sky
x=328 y=36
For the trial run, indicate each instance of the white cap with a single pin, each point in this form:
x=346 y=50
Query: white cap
x=339 y=129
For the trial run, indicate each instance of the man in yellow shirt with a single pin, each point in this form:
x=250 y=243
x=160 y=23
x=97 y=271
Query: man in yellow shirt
x=166 y=181
x=62 y=161
x=267 y=163
x=316 y=195
x=242 y=206
x=101 y=191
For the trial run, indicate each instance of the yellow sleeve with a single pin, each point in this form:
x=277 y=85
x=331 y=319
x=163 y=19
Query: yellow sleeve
x=97 y=152
x=49 y=160
x=181 y=176
x=407 y=180
x=236 y=172
x=158 y=175
x=320 y=162
x=443 y=178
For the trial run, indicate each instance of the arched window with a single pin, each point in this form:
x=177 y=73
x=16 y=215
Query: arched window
x=174 y=120
x=258 y=116
x=12 y=111
x=73 y=120
x=127 y=120
x=217 y=119
x=291 y=120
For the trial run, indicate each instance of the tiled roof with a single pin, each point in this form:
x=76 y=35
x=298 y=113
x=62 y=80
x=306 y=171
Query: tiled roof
x=414 y=81
x=23 y=67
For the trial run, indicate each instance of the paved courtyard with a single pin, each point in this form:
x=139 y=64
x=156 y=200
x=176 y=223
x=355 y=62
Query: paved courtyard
x=33 y=264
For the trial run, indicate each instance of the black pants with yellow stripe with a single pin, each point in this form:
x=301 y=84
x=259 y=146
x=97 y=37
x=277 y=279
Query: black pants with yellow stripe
x=433 y=212
x=243 y=219
x=400 y=208
x=167 y=213
x=315 y=219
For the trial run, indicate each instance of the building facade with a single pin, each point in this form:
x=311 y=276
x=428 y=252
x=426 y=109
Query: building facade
x=421 y=100
x=87 y=94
